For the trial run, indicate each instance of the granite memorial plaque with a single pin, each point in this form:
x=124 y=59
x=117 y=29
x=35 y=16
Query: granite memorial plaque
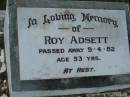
x=66 y=47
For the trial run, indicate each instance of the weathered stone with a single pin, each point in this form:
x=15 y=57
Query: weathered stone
x=43 y=85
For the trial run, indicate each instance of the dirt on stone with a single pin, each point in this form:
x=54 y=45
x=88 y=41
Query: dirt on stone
x=3 y=81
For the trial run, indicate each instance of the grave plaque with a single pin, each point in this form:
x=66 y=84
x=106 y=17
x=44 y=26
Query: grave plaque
x=63 y=43
x=66 y=47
